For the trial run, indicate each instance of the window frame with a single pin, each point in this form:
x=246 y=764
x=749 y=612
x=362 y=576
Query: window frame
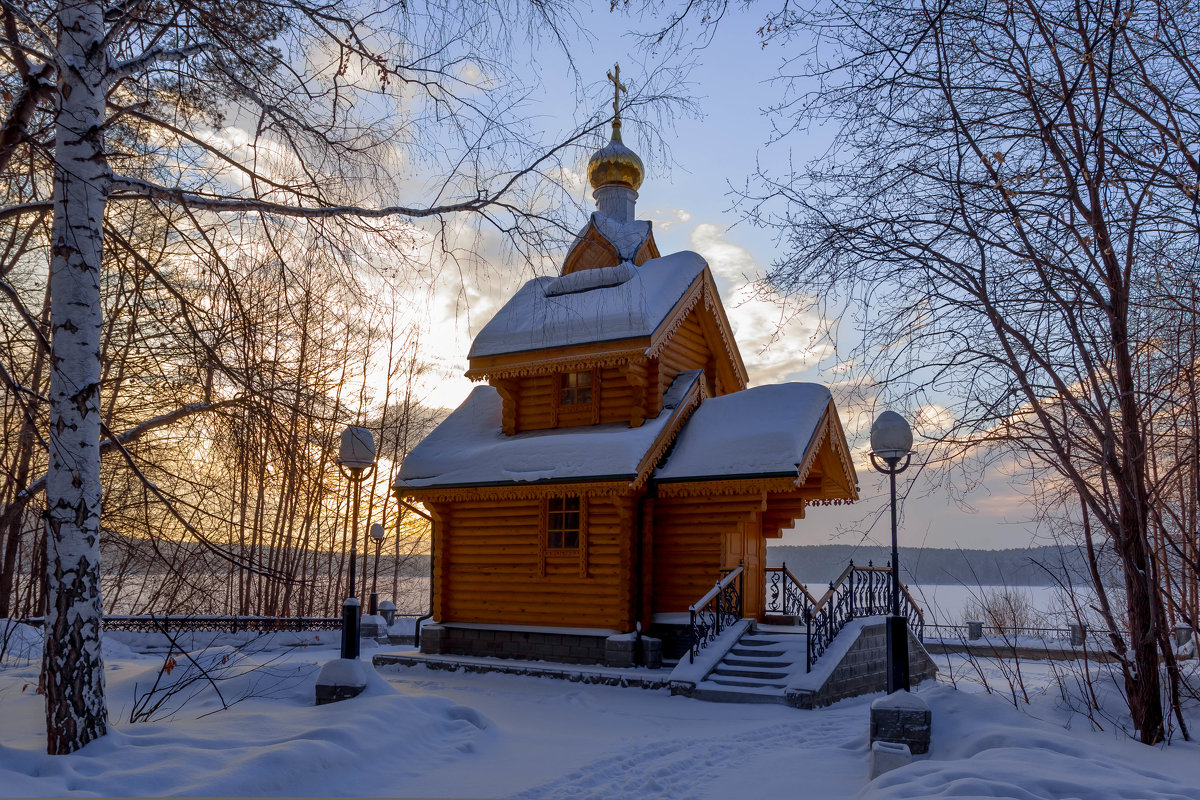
x=567 y=505
x=561 y=556
x=564 y=378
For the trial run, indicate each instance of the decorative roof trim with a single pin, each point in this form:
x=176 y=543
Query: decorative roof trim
x=565 y=363
x=842 y=448
x=829 y=429
x=667 y=328
x=682 y=413
x=814 y=446
x=704 y=291
x=712 y=301
x=830 y=501
x=714 y=486
x=515 y=491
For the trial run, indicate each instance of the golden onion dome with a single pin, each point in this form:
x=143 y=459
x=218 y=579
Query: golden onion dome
x=615 y=164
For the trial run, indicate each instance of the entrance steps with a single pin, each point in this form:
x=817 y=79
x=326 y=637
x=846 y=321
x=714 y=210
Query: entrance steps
x=757 y=668
x=756 y=663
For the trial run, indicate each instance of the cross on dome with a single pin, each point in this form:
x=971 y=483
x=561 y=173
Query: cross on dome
x=618 y=87
x=614 y=171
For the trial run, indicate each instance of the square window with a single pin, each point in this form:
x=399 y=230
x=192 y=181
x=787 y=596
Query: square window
x=576 y=389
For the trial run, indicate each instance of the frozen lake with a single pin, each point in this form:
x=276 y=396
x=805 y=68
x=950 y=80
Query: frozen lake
x=943 y=604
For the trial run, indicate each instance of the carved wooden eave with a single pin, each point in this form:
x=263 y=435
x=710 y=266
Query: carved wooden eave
x=731 y=370
x=727 y=486
x=829 y=453
x=562 y=359
x=534 y=490
x=679 y=417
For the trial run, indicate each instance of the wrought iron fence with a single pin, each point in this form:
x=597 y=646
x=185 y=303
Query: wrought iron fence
x=720 y=607
x=786 y=595
x=858 y=592
x=150 y=623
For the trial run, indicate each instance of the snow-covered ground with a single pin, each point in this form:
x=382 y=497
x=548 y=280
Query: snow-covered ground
x=422 y=733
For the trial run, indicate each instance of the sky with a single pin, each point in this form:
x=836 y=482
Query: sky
x=690 y=202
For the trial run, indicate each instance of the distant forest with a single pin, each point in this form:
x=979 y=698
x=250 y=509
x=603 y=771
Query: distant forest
x=1033 y=566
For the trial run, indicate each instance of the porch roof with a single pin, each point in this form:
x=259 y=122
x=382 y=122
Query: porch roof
x=763 y=431
x=470 y=449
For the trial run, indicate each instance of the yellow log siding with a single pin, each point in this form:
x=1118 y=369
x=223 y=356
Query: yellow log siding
x=494 y=567
x=695 y=538
x=687 y=349
x=533 y=401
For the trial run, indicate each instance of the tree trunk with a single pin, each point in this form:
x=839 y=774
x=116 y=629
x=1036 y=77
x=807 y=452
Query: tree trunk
x=72 y=664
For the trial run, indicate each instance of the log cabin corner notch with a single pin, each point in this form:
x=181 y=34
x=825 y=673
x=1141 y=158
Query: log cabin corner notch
x=613 y=462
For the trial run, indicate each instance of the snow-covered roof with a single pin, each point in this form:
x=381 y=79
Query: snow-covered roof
x=469 y=448
x=761 y=431
x=556 y=312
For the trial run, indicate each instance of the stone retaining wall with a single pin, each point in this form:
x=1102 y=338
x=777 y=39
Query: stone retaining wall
x=863 y=670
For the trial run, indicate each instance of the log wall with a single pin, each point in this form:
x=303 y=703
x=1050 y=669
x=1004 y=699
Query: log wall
x=694 y=538
x=536 y=401
x=493 y=566
x=687 y=349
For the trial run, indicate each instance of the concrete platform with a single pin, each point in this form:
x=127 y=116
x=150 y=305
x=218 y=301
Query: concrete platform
x=637 y=677
x=995 y=647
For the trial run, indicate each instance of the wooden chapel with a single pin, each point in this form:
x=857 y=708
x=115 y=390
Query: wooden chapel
x=614 y=462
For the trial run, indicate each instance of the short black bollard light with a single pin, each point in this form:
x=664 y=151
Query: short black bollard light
x=350 y=611
x=345 y=677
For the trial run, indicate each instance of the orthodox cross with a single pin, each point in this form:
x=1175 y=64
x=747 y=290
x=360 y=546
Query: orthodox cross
x=618 y=87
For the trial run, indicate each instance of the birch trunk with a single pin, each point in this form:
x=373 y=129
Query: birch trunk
x=72 y=662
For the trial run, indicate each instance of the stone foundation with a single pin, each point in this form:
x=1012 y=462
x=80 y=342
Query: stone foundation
x=533 y=645
x=676 y=639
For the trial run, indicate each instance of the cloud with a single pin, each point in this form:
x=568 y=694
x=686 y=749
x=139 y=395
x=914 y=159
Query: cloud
x=668 y=219
x=932 y=419
x=777 y=343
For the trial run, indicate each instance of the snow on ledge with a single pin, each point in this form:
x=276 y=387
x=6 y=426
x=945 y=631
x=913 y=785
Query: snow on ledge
x=710 y=656
x=566 y=631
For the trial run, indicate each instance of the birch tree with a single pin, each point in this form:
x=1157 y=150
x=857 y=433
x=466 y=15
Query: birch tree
x=296 y=119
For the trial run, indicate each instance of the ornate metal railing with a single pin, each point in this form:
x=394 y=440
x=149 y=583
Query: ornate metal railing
x=858 y=592
x=786 y=595
x=720 y=607
x=149 y=623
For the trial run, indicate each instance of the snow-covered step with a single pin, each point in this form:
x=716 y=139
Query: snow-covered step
x=738 y=661
x=755 y=669
x=764 y=674
x=715 y=693
x=750 y=652
x=761 y=683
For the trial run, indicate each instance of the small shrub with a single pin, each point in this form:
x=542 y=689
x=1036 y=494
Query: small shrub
x=1009 y=610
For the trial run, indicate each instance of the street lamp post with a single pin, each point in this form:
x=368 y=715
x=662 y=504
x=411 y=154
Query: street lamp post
x=377 y=533
x=891 y=452
x=356 y=460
